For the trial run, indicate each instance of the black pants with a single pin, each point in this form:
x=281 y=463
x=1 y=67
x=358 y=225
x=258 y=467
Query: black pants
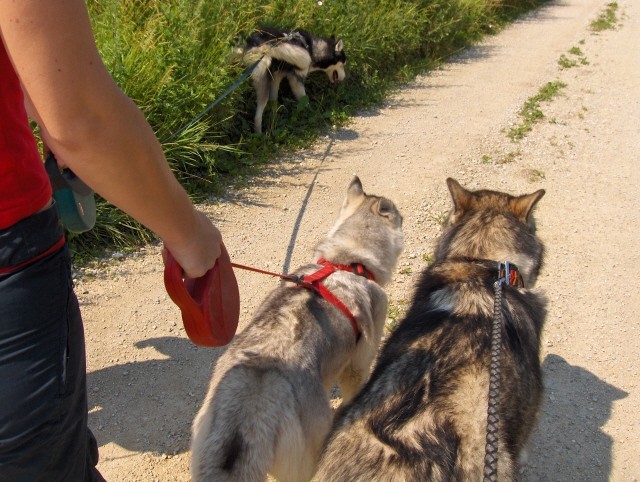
x=43 y=398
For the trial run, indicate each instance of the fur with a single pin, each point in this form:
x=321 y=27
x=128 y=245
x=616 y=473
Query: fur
x=267 y=409
x=422 y=416
x=290 y=55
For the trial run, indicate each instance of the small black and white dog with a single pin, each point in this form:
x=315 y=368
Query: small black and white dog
x=290 y=55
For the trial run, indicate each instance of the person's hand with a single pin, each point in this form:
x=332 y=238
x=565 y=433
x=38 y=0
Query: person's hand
x=199 y=254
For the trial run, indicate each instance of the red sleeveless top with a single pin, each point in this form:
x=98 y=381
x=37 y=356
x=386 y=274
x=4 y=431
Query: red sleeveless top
x=24 y=185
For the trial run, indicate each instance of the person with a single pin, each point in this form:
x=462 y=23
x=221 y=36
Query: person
x=51 y=71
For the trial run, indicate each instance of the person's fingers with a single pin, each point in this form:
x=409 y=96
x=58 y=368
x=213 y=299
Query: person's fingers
x=200 y=254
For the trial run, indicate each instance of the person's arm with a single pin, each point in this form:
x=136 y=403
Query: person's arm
x=96 y=130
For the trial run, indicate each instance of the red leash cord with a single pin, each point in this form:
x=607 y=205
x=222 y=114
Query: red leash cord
x=249 y=268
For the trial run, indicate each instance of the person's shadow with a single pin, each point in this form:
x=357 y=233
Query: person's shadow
x=148 y=406
x=568 y=442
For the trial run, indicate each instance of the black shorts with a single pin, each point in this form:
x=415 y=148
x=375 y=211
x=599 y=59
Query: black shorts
x=43 y=400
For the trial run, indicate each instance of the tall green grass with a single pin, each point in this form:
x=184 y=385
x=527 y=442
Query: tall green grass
x=173 y=58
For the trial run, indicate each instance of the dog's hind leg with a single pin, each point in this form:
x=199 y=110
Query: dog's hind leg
x=297 y=86
x=275 y=86
x=298 y=448
x=262 y=97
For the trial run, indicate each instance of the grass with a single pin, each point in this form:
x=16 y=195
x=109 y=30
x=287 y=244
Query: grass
x=440 y=218
x=577 y=58
x=509 y=157
x=395 y=311
x=531 y=111
x=607 y=19
x=566 y=63
x=535 y=175
x=172 y=59
x=428 y=258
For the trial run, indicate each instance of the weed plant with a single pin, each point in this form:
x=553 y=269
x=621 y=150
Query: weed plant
x=173 y=58
x=531 y=111
x=607 y=19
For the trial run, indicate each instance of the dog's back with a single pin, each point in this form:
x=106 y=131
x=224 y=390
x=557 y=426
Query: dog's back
x=279 y=49
x=423 y=414
x=299 y=50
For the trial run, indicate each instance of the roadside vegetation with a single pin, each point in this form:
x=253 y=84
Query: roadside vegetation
x=531 y=111
x=607 y=20
x=575 y=58
x=172 y=58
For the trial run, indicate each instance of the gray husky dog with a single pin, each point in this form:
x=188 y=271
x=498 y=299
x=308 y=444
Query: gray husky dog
x=422 y=416
x=267 y=409
x=290 y=55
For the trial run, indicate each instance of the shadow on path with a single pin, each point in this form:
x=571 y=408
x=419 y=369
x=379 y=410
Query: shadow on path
x=569 y=436
x=286 y=265
x=159 y=398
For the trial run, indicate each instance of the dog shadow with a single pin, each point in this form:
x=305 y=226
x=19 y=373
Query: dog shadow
x=148 y=406
x=569 y=438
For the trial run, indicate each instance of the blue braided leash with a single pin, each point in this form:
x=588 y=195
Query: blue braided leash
x=211 y=105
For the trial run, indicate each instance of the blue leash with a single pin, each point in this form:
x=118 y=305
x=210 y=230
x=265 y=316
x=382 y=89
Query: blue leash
x=233 y=86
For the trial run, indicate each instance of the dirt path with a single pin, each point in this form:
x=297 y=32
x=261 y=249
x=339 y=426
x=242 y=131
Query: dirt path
x=146 y=380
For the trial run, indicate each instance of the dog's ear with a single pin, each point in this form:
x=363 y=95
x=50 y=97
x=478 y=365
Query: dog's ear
x=523 y=205
x=387 y=209
x=355 y=196
x=339 y=46
x=355 y=190
x=460 y=196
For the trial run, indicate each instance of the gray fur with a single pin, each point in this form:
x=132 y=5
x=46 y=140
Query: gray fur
x=267 y=409
x=422 y=416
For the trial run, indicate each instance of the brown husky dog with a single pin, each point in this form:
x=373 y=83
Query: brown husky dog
x=422 y=416
x=267 y=409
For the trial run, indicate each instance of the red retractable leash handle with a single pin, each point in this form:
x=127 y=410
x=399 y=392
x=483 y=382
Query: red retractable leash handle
x=210 y=305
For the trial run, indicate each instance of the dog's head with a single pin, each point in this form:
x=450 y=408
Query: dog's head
x=368 y=231
x=335 y=70
x=493 y=225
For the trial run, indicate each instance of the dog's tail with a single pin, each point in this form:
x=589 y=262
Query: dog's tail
x=236 y=433
x=282 y=50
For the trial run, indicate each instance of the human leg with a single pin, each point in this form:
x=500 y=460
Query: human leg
x=43 y=405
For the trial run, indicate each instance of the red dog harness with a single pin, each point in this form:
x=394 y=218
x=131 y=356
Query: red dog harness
x=314 y=282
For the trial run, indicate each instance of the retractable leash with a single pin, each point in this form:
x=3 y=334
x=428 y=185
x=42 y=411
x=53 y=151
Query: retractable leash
x=507 y=274
x=210 y=305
